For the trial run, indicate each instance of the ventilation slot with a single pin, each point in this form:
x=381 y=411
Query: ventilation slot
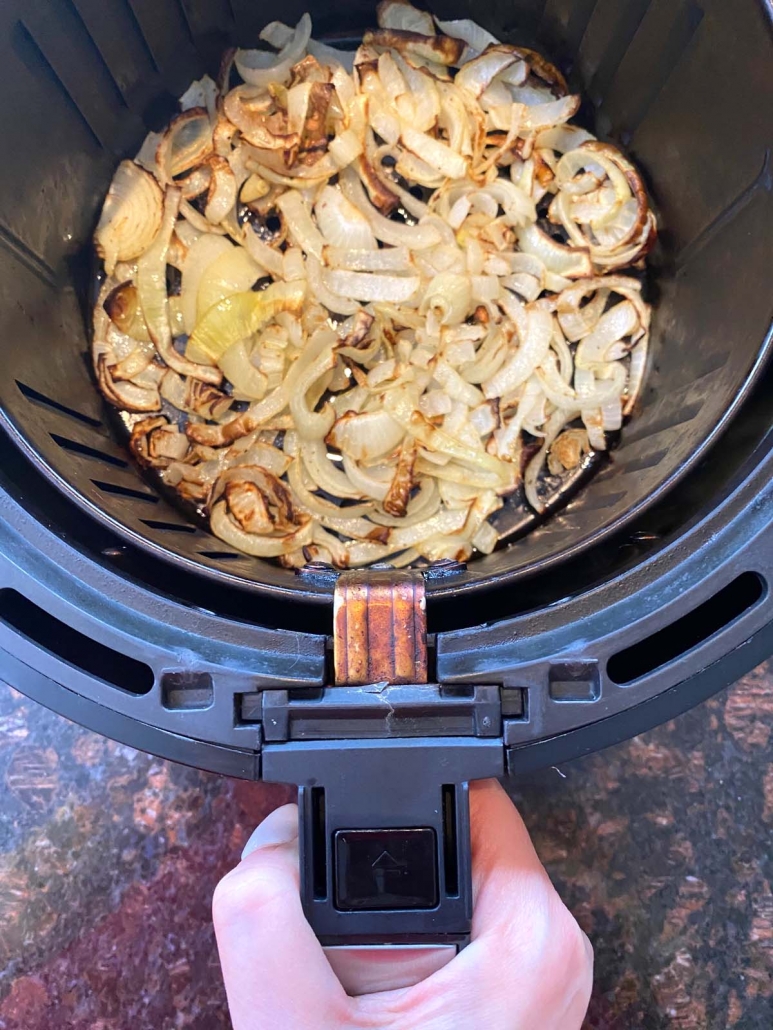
x=657 y=48
x=187 y=691
x=61 y=39
x=73 y=647
x=124 y=491
x=40 y=398
x=88 y=452
x=318 y=843
x=221 y=555
x=169 y=527
x=646 y=461
x=599 y=502
x=686 y=633
x=450 y=845
x=574 y=681
x=683 y=415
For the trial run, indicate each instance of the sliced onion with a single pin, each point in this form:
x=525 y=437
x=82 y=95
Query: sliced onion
x=123 y=307
x=221 y=196
x=324 y=473
x=603 y=344
x=387 y=259
x=448 y=297
x=232 y=271
x=341 y=223
x=186 y=143
x=151 y=287
x=249 y=383
x=131 y=216
x=243 y=314
x=366 y=480
x=310 y=424
x=265 y=256
x=365 y=286
x=554 y=425
x=571 y=262
x=415 y=237
x=439 y=49
x=332 y=301
x=260 y=68
x=202 y=253
x=476 y=74
x=563 y=138
x=279 y=34
x=454 y=384
x=198 y=221
x=437 y=154
x=259 y=414
x=396 y=14
x=366 y=437
x=300 y=223
x=318 y=506
x=554 y=112
x=531 y=352
x=477 y=38
x=474 y=334
x=201 y=93
x=636 y=371
x=255 y=544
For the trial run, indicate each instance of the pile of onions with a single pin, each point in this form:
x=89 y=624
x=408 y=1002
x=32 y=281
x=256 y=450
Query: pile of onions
x=396 y=293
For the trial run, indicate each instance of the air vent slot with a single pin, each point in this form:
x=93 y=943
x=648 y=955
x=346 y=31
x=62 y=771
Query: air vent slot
x=574 y=681
x=125 y=491
x=169 y=527
x=88 y=452
x=688 y=632
x=73 y=647
x=40 y=398
x=187 y=691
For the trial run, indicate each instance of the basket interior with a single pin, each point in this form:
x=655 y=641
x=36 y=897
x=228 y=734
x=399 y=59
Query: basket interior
x=686 y=87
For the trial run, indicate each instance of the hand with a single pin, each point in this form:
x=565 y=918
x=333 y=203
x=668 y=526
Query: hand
x=528 y=967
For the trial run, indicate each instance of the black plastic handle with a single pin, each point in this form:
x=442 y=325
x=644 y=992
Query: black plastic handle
x=385 y=835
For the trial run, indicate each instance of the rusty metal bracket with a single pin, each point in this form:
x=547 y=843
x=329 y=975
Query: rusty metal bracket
x=379 y=628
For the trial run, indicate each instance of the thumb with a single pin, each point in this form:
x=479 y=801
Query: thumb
x=275 y=972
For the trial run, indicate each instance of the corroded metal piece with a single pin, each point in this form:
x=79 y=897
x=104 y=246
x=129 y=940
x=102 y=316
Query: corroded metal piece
x=380 y=628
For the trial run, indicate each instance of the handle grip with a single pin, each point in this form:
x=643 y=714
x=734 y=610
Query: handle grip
x=385 y=841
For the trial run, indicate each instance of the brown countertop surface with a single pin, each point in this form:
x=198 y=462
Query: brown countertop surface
x=661 y=846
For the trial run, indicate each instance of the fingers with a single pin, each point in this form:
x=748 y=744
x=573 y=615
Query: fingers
x=504 y=862
x=529 y=966
x=525 y=940
x=276 y=974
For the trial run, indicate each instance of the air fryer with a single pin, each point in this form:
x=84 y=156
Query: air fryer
x=642 y=596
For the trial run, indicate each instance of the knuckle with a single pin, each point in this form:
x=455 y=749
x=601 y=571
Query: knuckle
x=574 y=953
x=244 y=890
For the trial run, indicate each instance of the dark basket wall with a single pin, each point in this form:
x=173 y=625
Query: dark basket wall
x=686 y=87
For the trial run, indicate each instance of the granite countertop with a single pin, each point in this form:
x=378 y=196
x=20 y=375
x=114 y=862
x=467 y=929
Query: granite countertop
x=661 y=847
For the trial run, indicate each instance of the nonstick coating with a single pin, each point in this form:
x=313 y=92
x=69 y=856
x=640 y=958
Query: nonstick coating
x=686 y=88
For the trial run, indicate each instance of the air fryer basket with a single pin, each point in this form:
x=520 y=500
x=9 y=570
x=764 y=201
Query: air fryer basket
x=646 y=594
x=676 y=517
x=686 y=88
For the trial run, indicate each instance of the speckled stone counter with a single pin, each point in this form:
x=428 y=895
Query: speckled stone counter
x=661 y=846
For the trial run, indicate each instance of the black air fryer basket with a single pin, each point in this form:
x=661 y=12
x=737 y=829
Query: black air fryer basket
x=643 y=596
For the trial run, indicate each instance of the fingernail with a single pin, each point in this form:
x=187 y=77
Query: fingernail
x=280 y=827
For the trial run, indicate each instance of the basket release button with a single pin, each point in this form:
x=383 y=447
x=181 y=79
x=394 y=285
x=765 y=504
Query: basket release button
x=386 y=869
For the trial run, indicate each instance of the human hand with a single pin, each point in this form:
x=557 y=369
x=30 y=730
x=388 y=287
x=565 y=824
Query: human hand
x=528 y=966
